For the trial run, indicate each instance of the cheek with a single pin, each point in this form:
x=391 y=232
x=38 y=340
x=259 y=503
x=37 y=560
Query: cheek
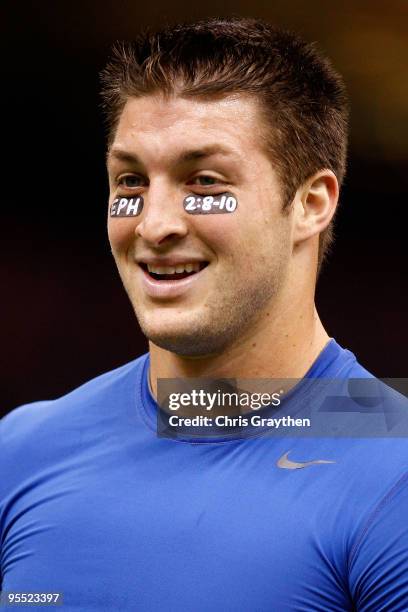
x=220 y=233
x=234 y=237
x=222 y=229
x=121 y=233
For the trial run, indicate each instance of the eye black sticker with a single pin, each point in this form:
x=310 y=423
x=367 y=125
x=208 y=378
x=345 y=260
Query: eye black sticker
x=210 y=205
x=126 y=207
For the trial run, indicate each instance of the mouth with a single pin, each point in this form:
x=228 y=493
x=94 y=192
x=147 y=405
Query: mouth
x=173 y=273
x=172 y=282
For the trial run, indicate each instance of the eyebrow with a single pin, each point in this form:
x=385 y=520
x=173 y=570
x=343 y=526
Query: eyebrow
x=185 y=157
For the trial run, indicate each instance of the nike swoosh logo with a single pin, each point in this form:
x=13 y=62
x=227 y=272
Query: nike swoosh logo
x=287 y=464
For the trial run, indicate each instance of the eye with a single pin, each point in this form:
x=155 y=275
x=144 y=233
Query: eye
x=205 y=180
x=131 y=181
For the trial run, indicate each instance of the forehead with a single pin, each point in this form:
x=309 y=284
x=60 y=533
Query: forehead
x=175 y=123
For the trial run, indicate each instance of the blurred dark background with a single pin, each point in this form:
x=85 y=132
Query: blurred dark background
x=65 y=315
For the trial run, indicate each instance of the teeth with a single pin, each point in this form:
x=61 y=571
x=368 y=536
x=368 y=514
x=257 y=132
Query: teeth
x=180 y=268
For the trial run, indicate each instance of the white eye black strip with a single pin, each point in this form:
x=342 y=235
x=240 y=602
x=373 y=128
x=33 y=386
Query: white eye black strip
x=126 y=207
x=210 y=205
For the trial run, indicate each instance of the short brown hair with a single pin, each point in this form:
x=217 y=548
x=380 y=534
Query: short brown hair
x=303 y=99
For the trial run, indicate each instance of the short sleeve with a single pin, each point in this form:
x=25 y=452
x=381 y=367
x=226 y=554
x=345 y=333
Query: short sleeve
x=379 y=561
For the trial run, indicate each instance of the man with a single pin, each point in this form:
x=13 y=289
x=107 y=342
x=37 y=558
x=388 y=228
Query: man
x=92 y=503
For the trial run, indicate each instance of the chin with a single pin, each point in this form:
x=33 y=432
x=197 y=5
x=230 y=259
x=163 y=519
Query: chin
x=186 y=344
x=187 y=341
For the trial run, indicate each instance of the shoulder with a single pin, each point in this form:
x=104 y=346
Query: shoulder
x=37 y=419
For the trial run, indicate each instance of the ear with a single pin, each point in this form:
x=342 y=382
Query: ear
x=314 y=205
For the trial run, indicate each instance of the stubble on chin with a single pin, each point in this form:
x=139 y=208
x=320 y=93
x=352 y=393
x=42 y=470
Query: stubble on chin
x=194 y=339
x=222 y=324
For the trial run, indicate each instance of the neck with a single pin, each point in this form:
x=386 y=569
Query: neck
x=283 y=346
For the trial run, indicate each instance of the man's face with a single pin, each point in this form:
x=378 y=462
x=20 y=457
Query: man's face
x=165 y=149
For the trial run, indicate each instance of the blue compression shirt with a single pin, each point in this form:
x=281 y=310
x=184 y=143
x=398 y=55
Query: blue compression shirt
x=94 y=505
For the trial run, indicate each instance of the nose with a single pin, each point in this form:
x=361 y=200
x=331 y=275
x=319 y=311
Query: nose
x=163 y=217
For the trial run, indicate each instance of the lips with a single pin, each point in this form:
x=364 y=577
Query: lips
x=168 y=286
x=174 y=272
